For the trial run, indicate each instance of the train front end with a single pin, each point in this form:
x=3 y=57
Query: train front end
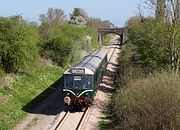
x=78 y=87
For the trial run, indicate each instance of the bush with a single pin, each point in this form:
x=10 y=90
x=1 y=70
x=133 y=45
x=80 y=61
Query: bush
x=1 y=72
x=69 y=40
x=129 y=68
x=58 y=49
x=152 y=41
x=151 y=103
x=18 y=44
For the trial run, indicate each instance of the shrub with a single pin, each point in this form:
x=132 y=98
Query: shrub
x=129 y=68
x=18 y=44
x=150 y=103
x=58 y=49
x=70 y=42
x=152 y=41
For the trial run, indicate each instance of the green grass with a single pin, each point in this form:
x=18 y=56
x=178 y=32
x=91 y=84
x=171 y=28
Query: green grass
x=107 y=38
x=105 y=123
x=25 y=88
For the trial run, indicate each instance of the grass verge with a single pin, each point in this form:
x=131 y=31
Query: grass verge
x=25 y=88
x=148 y=103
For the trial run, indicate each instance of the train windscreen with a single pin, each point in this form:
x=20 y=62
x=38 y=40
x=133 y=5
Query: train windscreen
x=78 y=82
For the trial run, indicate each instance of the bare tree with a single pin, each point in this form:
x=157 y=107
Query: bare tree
x=133 y=21
x=94 y=23
x=159 y=7
x=53 y=16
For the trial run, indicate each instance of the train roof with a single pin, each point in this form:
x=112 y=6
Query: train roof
x=88 y=64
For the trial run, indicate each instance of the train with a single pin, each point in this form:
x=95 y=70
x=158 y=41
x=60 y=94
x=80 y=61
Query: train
x=81 y=80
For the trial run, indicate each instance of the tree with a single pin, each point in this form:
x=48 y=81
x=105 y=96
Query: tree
x=78 y=17
x=94 y=23
x=79 y=12
x=58 y=49
x=170 y=9
x=159 y=8
x=152 y=42
x=173 y=11
x=18 y=44
x=108 y=24
x=78 y=20
x=53 y=16
x=133 y=21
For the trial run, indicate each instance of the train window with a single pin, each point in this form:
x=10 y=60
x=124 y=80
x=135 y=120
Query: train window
x=78 y=82
x=68 y=81
x=87 y=82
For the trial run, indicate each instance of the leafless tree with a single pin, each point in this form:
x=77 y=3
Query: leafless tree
x=159 y=7
x=95 y=23
x=53 y=16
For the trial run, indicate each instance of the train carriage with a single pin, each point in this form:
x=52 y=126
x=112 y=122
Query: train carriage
x=81 y=80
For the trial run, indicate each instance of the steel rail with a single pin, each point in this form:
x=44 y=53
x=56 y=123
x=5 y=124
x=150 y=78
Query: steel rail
x=62 y=119
x=81 y=120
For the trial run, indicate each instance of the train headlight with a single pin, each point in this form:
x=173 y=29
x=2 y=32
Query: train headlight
x=67 y=100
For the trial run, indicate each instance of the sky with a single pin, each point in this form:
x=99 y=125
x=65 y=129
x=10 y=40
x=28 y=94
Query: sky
x=116 y=11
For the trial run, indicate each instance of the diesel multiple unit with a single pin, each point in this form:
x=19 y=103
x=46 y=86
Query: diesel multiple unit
x=81 y=80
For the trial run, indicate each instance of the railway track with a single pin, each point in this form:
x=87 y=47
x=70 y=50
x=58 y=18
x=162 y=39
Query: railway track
x=72 y=120
x=75 y=120
x=111 y=55
x=111 y=47
x=56 y=128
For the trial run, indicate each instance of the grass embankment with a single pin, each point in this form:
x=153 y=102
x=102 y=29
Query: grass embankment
x=25 y=87
x=149 y=103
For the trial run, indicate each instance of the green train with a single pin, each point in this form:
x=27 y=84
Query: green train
x=81 y=80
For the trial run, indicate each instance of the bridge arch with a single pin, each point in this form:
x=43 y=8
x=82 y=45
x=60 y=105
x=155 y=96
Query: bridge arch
x=104 y=31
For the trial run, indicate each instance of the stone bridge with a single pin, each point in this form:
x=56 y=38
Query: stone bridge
x=103 y=31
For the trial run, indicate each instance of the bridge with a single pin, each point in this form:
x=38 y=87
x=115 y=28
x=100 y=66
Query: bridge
x=104 y=31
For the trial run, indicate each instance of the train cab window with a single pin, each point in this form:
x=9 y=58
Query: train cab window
x=78 y=82
x=87 y=82
x=68 y=81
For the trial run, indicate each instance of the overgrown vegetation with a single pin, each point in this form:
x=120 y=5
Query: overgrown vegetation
x=149 y=103
x=147 y=80
x=64 y=45
x=18 y=44
x=152 y=41
x=143 y=100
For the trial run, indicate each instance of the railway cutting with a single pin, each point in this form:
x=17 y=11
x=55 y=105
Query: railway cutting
x=53 y=115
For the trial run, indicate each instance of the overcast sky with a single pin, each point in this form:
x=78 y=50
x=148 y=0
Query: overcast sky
x=117 y=11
